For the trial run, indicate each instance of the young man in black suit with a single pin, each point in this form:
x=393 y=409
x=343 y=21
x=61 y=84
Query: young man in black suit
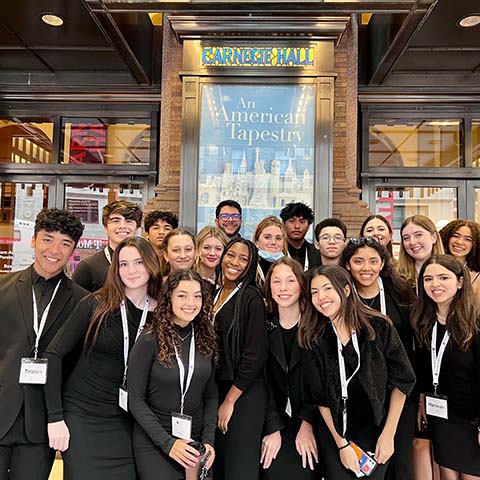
x=35 y=303
x=121 y=219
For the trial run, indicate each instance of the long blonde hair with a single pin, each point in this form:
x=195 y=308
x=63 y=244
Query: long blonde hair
x=406 y=264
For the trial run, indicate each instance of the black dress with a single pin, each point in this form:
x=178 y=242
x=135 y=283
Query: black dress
x=238 y=451
x=455 y=441
x=100 y=431
x=154 y=392
x=384 y=365
x=400 y=465
x=284 y=378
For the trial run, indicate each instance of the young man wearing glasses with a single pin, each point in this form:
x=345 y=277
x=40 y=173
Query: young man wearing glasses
x=121 y=219
x=228 y=217
x=330 y=234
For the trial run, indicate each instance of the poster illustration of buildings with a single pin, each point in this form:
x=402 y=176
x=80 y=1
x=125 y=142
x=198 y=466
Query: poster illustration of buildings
x=256 y=147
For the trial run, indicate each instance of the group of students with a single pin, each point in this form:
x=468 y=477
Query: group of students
x=272 y=358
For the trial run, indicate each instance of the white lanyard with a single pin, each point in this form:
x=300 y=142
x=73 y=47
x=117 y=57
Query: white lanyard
x=383 y=304
x=232 y=293
x=38 y=329
x=191 y=367
x=343 y=376
x=106 y=251
x=306 y=264
x=437 y=359
x=126 y=342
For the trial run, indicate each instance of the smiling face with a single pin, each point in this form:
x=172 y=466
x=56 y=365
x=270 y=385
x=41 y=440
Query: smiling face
x=180 y=252
x=210 y=252
x=418 y=242
x=52 y=251
x=132 y=270
x=441 y=284
x=325 y=298
x=186 y=302
x=284 y=286
x=365 y=266
x=229 y=220
x=461 y=242
x=270 y=239
x=235 y=262
x=119 y=228
x=378 y=229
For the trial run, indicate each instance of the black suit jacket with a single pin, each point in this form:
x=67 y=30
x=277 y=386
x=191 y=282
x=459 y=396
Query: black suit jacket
x=282 y=381
x=312 y=253
x=17 y=340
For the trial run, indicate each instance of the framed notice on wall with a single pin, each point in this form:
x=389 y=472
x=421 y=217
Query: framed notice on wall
x=256 y=146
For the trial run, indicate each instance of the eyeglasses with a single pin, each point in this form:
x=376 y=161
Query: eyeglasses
x=327 y=238
x=368 y=241
x=228 y=216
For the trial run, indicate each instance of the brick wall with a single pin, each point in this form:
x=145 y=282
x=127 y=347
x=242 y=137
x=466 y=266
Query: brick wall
x=346 y=203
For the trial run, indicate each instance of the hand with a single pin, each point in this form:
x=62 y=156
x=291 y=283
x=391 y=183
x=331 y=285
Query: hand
x=184 y=454
x=211 y=458
x=384 y=448
x=58 y=436
x=271 y=445
x=349 y=459
x=225 y=412
x=421 y=415
x=306 y=445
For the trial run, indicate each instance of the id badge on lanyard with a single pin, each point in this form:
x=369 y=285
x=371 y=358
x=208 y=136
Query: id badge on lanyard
x=181 y=423
x=437 y=405
x=34 y=370
x=122 y=391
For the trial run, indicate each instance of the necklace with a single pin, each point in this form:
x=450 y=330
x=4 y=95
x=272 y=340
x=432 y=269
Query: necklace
x=185 y=337
x=369 y=301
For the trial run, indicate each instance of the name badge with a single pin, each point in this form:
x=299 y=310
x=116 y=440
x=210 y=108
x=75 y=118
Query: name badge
x=181 y=426
x=33 y=371
x=436 y=405
x=123 y=399
x=288 y=408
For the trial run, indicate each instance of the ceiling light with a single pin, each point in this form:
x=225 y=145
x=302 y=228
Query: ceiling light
x=52 y=20
x=471 y=20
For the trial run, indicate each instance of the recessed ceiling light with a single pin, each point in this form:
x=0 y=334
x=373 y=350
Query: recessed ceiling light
x=471 y=20
x=52 y=19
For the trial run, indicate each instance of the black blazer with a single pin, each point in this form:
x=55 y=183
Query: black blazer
x=284 y=380
x=17 y=340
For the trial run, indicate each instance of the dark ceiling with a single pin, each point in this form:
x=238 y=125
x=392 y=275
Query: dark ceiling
x=113 y=42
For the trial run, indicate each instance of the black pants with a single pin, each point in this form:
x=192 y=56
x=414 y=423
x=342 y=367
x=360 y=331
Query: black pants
x=238 y=451
x=21 y=459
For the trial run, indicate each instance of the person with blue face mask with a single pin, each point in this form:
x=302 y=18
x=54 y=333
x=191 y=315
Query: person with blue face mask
x=271 y=241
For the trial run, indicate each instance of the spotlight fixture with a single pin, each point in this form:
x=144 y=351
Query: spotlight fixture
x=471 y=20
x=52 y=19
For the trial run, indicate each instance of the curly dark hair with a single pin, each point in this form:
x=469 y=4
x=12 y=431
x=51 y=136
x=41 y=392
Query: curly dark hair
x=473 y=257
x=163 y=327
x=463 y=315
x=297 y=209
x=56 y=220
x=152 y=217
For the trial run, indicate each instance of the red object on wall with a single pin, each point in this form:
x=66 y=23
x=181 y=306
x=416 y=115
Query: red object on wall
x=88 y=143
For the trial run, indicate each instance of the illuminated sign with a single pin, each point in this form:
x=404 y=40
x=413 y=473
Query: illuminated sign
x=258 y=56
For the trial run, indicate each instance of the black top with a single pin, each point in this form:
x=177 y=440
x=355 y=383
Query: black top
x=298 y=254
x=459 y=376
x=44 y=289
x=288 y=337
x=154 y=392
x=384 y=365
x=91 y=273
x=92 y=388
x=253 y=340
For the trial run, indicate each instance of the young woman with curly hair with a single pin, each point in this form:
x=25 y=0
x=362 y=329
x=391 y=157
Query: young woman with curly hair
x=87 y=421
x=461 y=238
x=356 y=371
x=172 y=369
x=446 y=321
x=240 y=323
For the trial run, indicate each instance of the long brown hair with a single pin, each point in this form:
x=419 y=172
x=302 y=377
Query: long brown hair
x=111 y=295
x=353 y=311
x=463 y=315
x=473 y=257
x=163 y=326
x=297 y=270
